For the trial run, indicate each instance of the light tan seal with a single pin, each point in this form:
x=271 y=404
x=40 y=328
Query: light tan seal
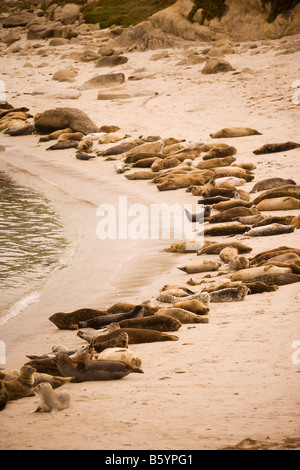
x=194 y=306
x=229 y=132
x=227 y=253
x=49 y=400
x=251 y=273
x=22 y=386
x=236 y=263
x=121 y=354
x=184 y=316
x=279 y=204
x=200 y=267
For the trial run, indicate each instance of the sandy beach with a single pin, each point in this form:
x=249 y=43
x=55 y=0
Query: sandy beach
x=221 y=382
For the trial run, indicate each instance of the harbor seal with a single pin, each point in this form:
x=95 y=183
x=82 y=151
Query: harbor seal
x=216 y=248
x=201 y=296
x=3 y=397
x=233 y=294
x=184 y=316
x=101 y=321
x=136 y=336
x=269 y=230
x=223 y=206
x=250 y=219
x=49 y=400
x=121 y=354
x=233 y=214
x=218 y=151
x=120 y=341
x=200 y=267
x=93 y=370
x=273 y=148
x=89 y=336
x=65 y=321
x=279 y=204
x=278 y=279
x=54 y=381
x=215 y=162
x=154 y=322
x=22 y=386
x=266 y=255
x=236 y=263
x=270 y=183
x=227 y=253
x=254 y=287
x=222 y=230
x=252 y=273
x=268 y=220
x=45 y=366
x=283 y=191
x=229 y=132
x=187 y=246
x=212 y=200
x=194 y=306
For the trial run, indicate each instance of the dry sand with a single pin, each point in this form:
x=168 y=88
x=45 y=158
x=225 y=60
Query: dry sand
x=221 y=382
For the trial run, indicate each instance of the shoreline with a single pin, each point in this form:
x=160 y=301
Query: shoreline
x=220 y=383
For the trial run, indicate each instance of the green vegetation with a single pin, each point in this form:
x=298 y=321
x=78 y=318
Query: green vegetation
x=279 y=6
x=122 y=12
x=211 y=9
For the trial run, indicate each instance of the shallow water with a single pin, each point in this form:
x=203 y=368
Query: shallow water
x=32 y=240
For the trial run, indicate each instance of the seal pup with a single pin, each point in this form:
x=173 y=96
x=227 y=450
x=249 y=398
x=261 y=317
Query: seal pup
x=121 y=354
x=194 y=306
x=227 y=253
x=90 y=335
x=272 y=229
x=154 y=322
x=270 y=183
x=49 y=400
x=22 y=386
x=120 y=341
x=136 y=336
x=98 y=322
x=93 y=370
x=200 y=267
x=184 y=316
x=236 y=263
x=233 y=294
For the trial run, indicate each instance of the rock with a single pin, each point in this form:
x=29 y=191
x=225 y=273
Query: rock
x=64 y=75
x=216 y=66
x=11 y=37
x=69 y=94
x=113 y=96
x=220 y=51
x=89 y=56
x=2 y=148
x=70 y=13
x=108 y=80
x=17 y=19
x=106 y=51
x=39 y=31
x=61 y=118
x=112 y=61
x=58 y=42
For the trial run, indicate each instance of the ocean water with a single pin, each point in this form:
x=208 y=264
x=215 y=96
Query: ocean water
x=32 y=242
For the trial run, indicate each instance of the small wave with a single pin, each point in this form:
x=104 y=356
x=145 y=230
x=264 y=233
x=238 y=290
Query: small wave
x=19 y=306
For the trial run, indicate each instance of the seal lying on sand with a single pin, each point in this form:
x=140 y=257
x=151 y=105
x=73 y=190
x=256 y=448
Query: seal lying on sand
x=120 y=341
x=101 y=321
x=64 y=321
x=217 y=247
x=273 y=148
x=3 y=397
x=136 y=336
x=93 y=370
x=49 y=400
x=154 y=322
x=232 y=294
x=271 y=183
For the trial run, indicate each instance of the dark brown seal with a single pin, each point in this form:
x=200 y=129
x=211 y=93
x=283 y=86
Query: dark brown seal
x=101 y=321
x=279 y=279
x=64 y=321
x=232 y=214
x=3 y=397
x=46 y=366
x=136 y=335
x=229 y=229
x=273 y=148
x=120 y=341
x=154 y=322
x=270 y=183
x=92 y=370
